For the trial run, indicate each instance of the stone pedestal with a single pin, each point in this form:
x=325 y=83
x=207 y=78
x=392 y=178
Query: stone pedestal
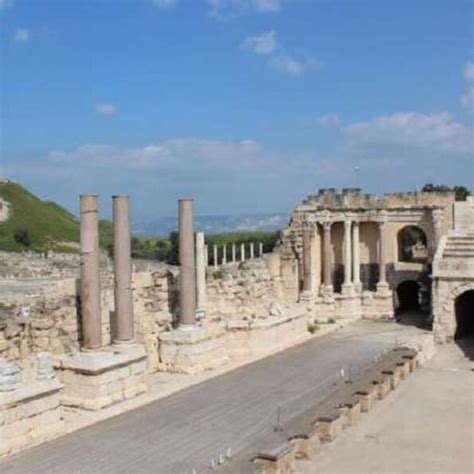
x=348 y=306
x=378 y=305
x=192 y=350
x=29 y=415
x=95 y=380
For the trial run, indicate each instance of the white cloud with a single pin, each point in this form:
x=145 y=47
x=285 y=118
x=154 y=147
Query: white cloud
x=21 y=35
x=261 y=44
x=289 y=65
x=328 y=120
x=106 y=109
x=174 y=154
x=268 y=5
x=469 y=72
x=164 y=3
x=435 y=131
x=228 y=9
x=467 y=99
x=6 y=4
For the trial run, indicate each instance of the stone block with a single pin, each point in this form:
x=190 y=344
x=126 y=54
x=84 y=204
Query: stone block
x=329 y=426
x=280 y=460
x=350 y=411
x=95 y=380
x=306 y=445
x=366 y=397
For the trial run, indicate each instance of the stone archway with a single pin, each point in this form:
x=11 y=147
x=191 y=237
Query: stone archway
x=412 y=244
x=464 y=312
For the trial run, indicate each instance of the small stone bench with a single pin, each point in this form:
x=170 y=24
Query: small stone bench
x=329 y=426
x=306 y=444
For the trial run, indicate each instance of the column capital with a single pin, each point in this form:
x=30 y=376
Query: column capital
x=326 y=225
x=347 y=222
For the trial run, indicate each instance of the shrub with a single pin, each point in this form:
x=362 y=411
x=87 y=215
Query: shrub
x=22 y=237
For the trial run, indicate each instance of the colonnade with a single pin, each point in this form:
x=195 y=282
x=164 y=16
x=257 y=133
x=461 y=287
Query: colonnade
x=253 y=252
x=351 y=256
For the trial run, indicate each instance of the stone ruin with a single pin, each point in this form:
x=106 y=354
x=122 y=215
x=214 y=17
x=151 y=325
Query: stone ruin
x=84 y=333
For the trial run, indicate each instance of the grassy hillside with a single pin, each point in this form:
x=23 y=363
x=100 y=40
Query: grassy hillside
x=47 y=225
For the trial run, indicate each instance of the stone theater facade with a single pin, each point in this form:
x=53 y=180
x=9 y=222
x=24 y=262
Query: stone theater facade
x=355 y=255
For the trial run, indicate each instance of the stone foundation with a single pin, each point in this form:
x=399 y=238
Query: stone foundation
x=29 y=415
x=94 y=380
x=280 y=460
x=192 y=350
x=377 y=305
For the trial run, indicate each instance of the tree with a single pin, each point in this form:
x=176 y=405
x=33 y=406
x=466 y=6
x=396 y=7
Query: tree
x=460 y=192
x=22 y=237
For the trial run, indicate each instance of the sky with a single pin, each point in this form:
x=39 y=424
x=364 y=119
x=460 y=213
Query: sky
x=246 y=105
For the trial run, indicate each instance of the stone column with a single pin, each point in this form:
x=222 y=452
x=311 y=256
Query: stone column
x=123 y=271
x=347 y=286
x=356 y=256
x=252 y=250
x=242 y=252
x=90 y=277
x=187 y=292
x=233 y=253
x=201 y=296
x=437 y=225
x=260 y=249
x=215 y=256
x=206 y=255
x=382 y=284
x=224 y=254
x=327 y=270
x=307 y=287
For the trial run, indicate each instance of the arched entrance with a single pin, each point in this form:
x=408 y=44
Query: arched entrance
x=464 y=310
x=408 y=296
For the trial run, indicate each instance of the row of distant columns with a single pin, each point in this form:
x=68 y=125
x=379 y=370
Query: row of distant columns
x=215 y=253
x=351 y=257
x=90 y=273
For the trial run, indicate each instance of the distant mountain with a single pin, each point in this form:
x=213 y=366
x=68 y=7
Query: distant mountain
x=214 y=224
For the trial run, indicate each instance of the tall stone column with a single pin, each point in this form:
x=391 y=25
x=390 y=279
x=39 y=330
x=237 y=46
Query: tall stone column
x=215 y=256
x=123 y=270
x=206 y=255
x=90 y=277
x=347 y=286
x=307 y=286
x=327 y=261
x=242 y=252
x=437 y=226
x=187 y=292
x=201 y=295
x=356 y=256
x=224 y=254
x=233 y=253
x=382 y=284
x=252 y=250
x=260 y=249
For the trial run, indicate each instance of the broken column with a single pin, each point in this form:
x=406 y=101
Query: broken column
x=252 y=250
x=233 y=253
x=192 y=347
x=224 y=254
x=187 y=292
x=201 y=296
x=215 y=255
x=90 y=279
x=242 y=252
x=260 y=249
x=123 y=271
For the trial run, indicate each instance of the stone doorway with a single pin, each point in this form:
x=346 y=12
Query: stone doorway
x=408 y=296
x=464 y=310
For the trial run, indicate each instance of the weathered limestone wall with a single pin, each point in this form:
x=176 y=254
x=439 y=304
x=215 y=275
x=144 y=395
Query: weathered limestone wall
x=42 y=315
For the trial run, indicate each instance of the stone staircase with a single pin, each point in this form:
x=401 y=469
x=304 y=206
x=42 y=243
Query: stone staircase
x=459 y=246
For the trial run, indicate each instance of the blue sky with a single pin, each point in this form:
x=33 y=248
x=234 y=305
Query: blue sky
x=247 y=105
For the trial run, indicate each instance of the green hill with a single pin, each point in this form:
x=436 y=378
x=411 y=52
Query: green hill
x=39 y=225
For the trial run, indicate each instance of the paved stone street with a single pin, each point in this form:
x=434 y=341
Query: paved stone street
x=236 y=410
x=425 y=426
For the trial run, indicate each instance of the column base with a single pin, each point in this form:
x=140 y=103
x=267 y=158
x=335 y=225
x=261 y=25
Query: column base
x=192 y=349
x=307 y=296
x=347 y=289
x=327 y=292
x=95 y=380
x=383 y=288
x=31 y=414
